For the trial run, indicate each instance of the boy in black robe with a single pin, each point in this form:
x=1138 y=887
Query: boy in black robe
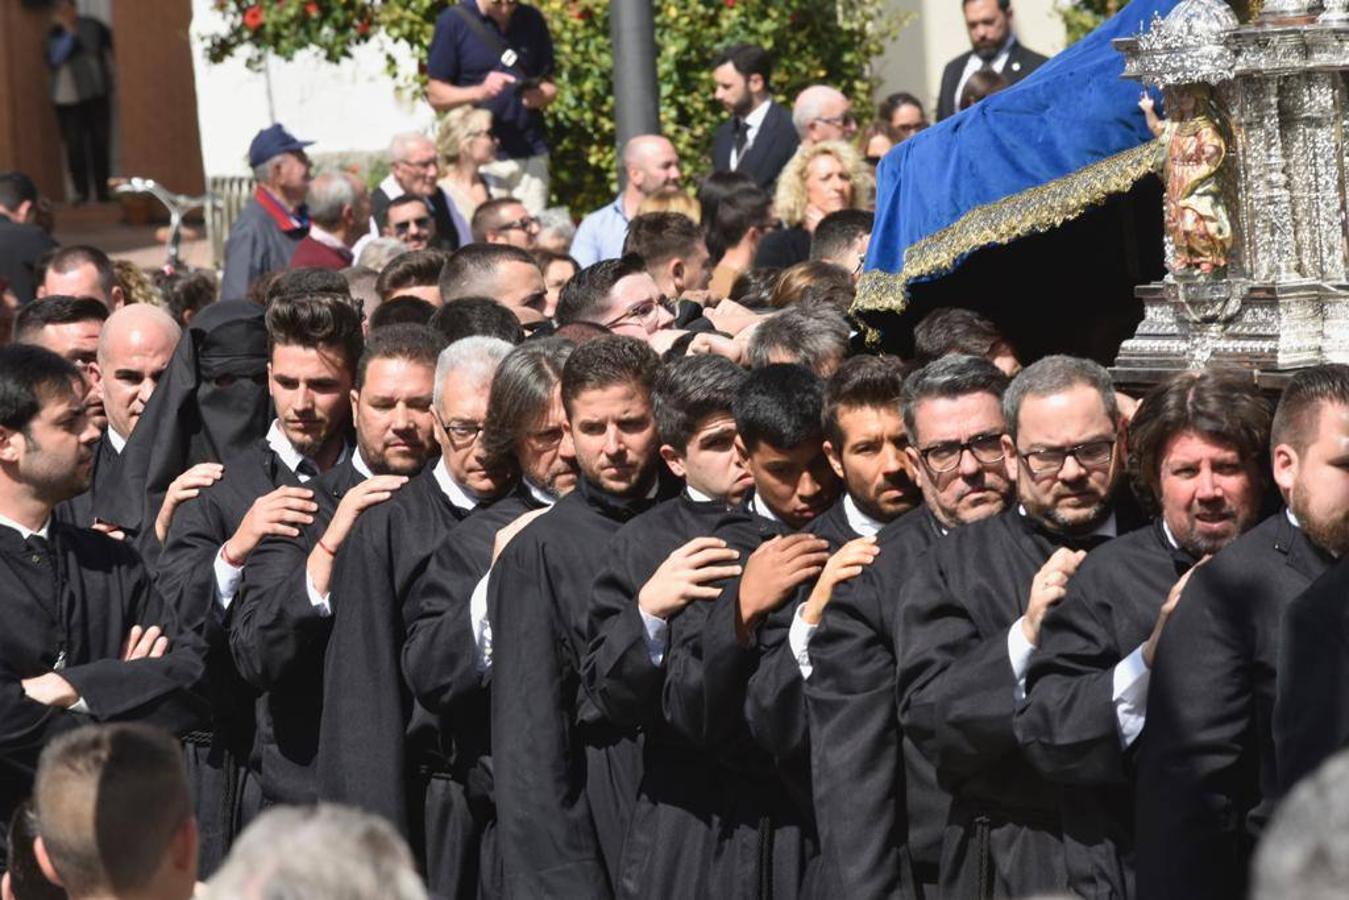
x=880 y=813
x=1198 y=443
x=565 y=779
x=969 y=620
x=86 y=637
x=1206 y=764
x=282 y=616
x=377 y=749
x=313 y=348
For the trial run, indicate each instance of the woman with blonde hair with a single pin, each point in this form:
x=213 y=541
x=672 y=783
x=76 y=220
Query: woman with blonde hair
x=818 y=180
x=465 y=144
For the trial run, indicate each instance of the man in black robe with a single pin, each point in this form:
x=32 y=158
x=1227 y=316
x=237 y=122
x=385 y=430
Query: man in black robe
x=1198 y=443
x=377 y=749
x=86 y=637
x=879 y=809
x=1206 y=762
x=969 y=621
x=565 y=782
x=313 y=347
x=282 y=616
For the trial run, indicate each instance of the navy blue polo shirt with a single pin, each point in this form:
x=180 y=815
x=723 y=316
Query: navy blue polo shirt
x=460 y=57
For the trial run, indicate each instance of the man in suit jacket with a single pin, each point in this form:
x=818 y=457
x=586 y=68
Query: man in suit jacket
x=759 y=137
x=994 y=47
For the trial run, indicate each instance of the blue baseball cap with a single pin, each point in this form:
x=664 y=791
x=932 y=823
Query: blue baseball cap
x=273 y=141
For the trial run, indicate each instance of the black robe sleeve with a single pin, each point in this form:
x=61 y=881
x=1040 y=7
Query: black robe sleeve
x=617 y=672
x=775 y=698
x=272 y=622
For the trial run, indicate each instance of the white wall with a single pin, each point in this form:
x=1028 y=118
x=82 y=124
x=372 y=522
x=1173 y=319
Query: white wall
x=341 y=107
x=915 y=59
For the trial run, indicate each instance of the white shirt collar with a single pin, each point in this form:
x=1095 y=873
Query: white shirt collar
x=1108 y=528
x=326 y=238
x=118 y=442
x=696 y=495
x=539 y=493
x=360 y=465
x=458 y=496
x=1170 y=537
x=757 y=115
x=25 y=532
x=761 y=509
x=291 y=458
x=1288 y=511
x=858 y=521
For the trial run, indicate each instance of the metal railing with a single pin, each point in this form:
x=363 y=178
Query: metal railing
x=231 y=193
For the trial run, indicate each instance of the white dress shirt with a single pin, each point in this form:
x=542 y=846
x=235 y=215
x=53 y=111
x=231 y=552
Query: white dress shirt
x=976 y=62
x=118 y=442
x=753 y=122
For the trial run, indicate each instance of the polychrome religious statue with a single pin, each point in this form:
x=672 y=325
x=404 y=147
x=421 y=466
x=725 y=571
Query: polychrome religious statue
x=1194 y=148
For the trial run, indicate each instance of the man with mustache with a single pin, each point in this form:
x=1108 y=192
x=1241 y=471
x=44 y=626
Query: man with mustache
x=879 y=810
x=969 y=621
x=1198 y=443
x=282 y=618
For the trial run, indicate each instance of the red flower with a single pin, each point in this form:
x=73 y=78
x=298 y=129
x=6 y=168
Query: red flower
x=311 y=8
x=363 y=27
x=730 y=4
x=253 y=18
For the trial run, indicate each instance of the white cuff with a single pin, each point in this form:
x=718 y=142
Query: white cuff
x=481 y=626
x=80 y=706
x=798 y=641
x=1019 y=651
x=227 y=579
x=317 y=600
x=657 y=633
x=1131 y=679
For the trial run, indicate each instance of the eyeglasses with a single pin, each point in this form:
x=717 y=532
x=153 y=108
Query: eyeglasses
x=422 y=223
x=986 y=449
x=528 y=223
x=429 y=163
x=846 y=120
x=644 y=313
x=461 y=431
x=1049 y=460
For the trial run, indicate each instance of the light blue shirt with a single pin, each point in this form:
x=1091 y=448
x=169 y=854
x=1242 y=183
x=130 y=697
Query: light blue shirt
x=601 y=234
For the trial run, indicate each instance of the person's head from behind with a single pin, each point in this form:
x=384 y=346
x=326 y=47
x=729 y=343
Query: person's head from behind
x=114 y=815
x=504 y=220
x=952 y=410
x=134 y=349
x=617 y=293
x=82 y=271
x=777 y=420
x=812 y=281
x=741 y=73
x=507 y=274
x=361 y=283
x=820 y=179
x=322 y=852
x=1308 y=436
x=651 y=163
x=307 y=281
x=671 y=200
x=823 y=113
x=989 y=24
x=314 y=344
x=903 y=113
x=392 y=402
x=526 y=423
x=813 y=335
x=415 y=163
x=692 y=401
x=736 y=218
x=339 y=203
x=842 y=238
x=400 y=310
x=1304 y=851
x=18 y=197
x=1065 y=442
x=953 y=329
x=556 y=230
x=557 y=269
x=754 y=289
x=23 y=880
x=606 y=391
x=377 y=253
x=409 y=220
x=865 y=438
x=413 y=274
x=477 y=316
x=1198 y=447
x=464 y=373
x=46 y=433
x=69 y=327
x=673 y=249
x=186 y=293
x=980 y=85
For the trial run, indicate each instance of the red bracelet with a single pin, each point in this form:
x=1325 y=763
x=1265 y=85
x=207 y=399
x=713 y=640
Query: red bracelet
x=225 y=555
x=326 y=549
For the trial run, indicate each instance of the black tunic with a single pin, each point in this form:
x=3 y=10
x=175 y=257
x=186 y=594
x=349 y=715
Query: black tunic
x=217 y=758
x=1005 y=832
x=377 y=750
x=565 y=779
x=79 y=510
x=877 y=804
x=277 y=638
x=103 y=591
x=1311 y=712
x=1207 y=751
x=1067 y=727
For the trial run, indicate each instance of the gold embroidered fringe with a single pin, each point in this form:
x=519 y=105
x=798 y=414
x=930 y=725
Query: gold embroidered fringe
x=1033 y=210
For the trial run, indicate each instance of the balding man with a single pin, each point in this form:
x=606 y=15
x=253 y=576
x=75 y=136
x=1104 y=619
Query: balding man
x=82 y=271
x=415 y=168
x=339 y=205
x=822 y=113
x=651 y=163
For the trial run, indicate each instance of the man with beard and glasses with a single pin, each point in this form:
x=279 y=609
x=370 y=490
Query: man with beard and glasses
x=86 y=637
x=1206 y=761
x=565 y=782
x=879 y=809
x=1199 y=443
x=282 y=616
x=759 y=137
x=969 y=621
x=313 y=346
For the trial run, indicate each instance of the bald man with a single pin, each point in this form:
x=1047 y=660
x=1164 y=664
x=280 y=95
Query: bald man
x=651 y=163
x=822 y=113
